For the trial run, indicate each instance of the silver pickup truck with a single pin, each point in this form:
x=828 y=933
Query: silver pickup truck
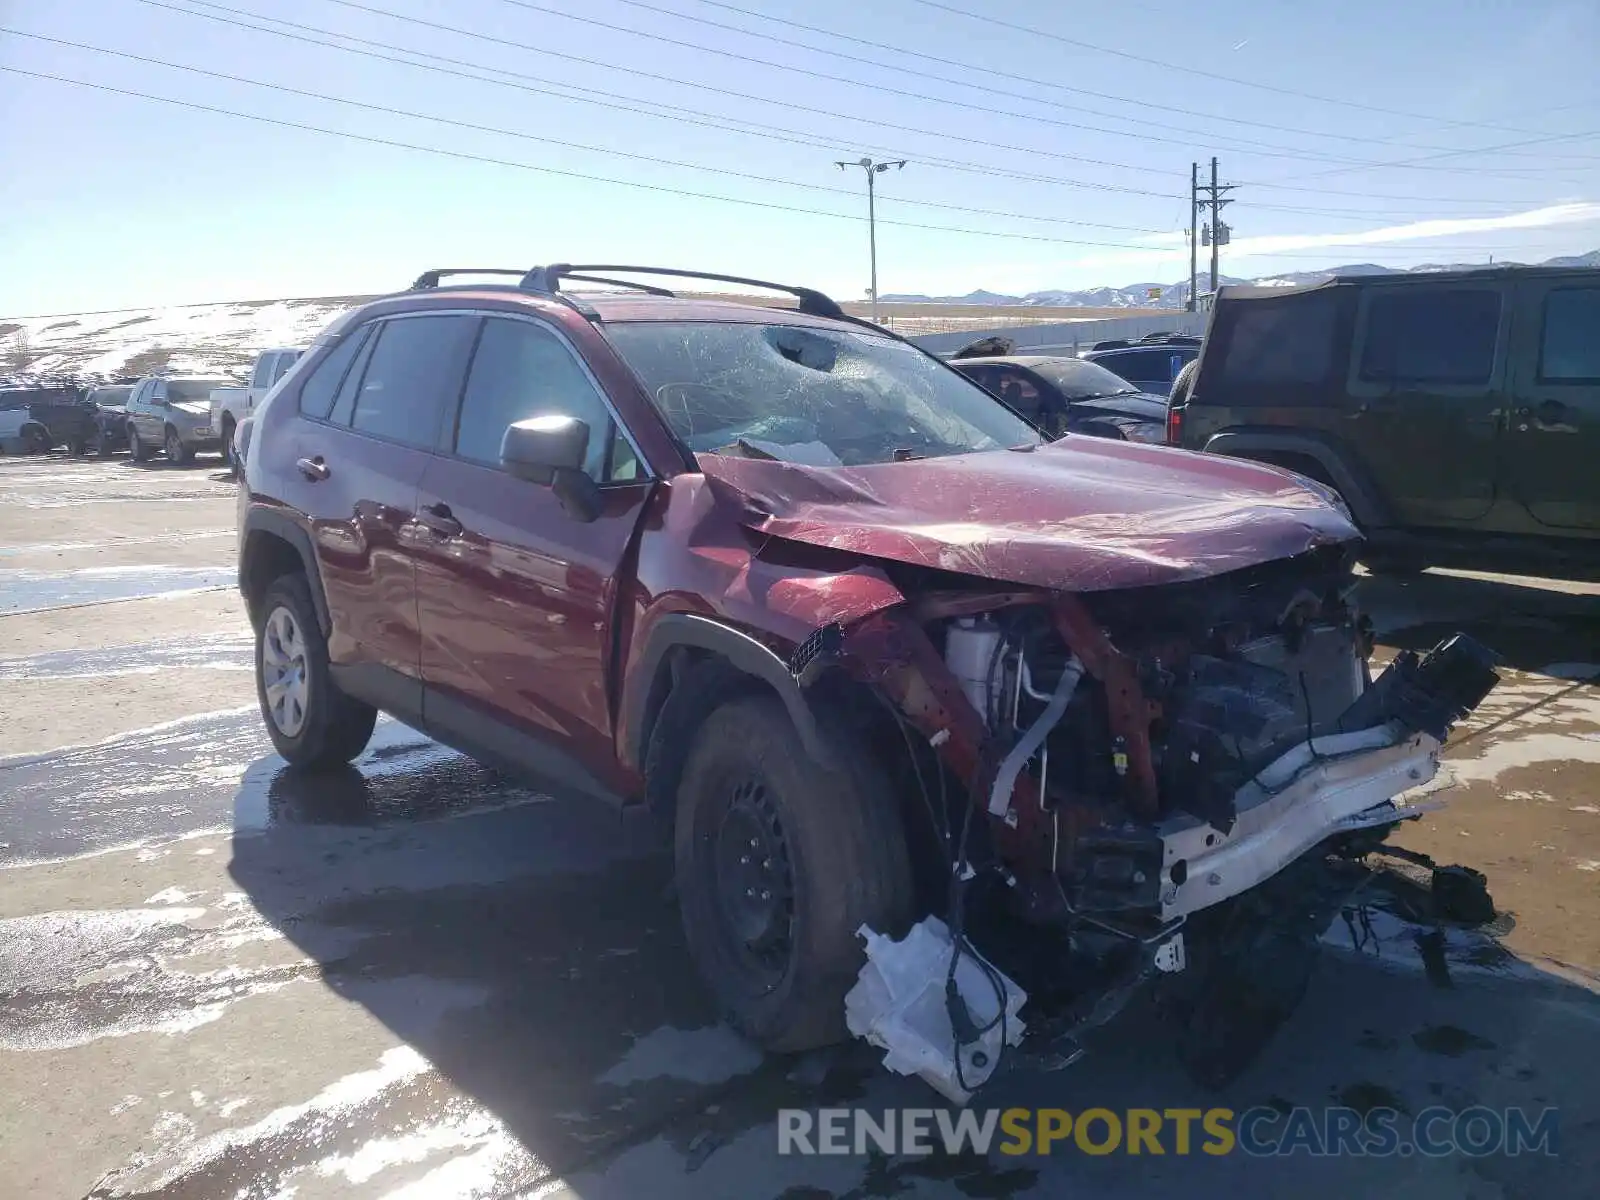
x=231 y=405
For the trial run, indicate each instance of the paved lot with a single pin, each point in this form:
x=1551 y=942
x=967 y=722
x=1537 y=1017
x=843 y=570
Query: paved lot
x=425 y=981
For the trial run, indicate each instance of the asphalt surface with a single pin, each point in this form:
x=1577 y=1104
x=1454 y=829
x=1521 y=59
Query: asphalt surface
x=417 y=978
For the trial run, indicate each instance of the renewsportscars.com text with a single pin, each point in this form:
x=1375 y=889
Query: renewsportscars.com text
x=1262 y=1132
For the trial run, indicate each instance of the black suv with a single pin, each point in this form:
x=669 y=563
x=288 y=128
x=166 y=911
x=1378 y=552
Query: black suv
x=57 y=415
x=1456 y=412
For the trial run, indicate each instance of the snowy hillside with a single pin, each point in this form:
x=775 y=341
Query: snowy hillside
x=196 y=338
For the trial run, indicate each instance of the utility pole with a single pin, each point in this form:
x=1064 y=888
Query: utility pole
x=1194 y=231
x=1215 y=233
x=873 y=170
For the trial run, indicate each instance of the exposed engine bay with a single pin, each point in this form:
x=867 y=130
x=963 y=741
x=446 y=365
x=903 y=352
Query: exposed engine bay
x=1131 y=768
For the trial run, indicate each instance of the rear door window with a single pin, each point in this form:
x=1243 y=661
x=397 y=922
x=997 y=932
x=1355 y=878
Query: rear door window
x=1569 y=344
x=412 y=374
x=1430 y=336
x=322 y=385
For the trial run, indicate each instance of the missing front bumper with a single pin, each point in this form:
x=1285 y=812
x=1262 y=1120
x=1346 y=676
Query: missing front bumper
x=1317 y=789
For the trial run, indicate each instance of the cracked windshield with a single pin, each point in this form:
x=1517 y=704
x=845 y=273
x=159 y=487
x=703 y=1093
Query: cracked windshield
x=819 y=397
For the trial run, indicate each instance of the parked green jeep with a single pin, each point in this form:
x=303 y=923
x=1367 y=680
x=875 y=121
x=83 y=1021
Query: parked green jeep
x=1457 y=412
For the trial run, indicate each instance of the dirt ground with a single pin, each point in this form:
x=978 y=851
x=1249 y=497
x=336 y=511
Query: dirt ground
x=419 y=979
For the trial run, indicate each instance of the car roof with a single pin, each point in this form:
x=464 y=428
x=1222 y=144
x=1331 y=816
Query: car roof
x=1011 y=360
x=1246 y=291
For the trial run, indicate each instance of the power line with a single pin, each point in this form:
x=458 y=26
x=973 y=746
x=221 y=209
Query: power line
x=717 y=121
x=707 y=120
x=1183 y=68
x=989 y=86
x=611 y=68
x=649 y=158
x=659 y=188
x=1246 y=147
x=503 y=162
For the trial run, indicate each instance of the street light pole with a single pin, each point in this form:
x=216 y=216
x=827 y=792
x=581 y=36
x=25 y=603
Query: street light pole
x=873 y=170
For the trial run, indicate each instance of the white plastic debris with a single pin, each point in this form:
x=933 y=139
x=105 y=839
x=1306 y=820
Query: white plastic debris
x=898 y=1004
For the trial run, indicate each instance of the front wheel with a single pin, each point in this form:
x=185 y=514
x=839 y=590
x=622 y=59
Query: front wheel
x=311 y=722
x=177 y=453
x=779 y=862
x=136 y=446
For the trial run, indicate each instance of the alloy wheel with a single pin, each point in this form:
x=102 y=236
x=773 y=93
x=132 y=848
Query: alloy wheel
x=283 y=671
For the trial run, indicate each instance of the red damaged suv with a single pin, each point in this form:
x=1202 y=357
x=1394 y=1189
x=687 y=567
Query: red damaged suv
x=876 y=646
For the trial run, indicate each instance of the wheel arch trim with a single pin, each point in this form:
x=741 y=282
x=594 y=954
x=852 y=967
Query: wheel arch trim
x=266 y=522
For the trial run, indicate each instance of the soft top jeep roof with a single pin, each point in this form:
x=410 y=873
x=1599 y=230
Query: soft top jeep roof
x=1249 y=291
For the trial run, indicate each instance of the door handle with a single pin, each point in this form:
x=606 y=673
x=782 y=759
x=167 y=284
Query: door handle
x=313 y=469
x=438 y=519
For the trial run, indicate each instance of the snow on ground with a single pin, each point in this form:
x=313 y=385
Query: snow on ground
x=186 y=339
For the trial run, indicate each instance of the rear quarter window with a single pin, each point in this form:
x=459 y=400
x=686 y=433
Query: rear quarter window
x=1276 y=342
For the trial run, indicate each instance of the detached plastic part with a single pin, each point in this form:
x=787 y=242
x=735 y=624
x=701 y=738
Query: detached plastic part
x=898 y=1004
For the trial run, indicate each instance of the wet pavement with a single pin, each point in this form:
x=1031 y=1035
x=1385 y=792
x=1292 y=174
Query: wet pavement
x=416 y=978
x=33 y=591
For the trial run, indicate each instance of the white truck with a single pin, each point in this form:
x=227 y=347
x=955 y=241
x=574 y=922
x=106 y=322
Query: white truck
x=231 y=405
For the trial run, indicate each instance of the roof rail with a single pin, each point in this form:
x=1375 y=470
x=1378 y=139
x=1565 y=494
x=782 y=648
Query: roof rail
x=548 y=280
x=430 y=279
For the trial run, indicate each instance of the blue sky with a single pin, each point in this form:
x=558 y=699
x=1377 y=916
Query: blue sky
x=112 y=200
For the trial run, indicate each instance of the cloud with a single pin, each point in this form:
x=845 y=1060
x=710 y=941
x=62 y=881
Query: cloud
x=1537 y=218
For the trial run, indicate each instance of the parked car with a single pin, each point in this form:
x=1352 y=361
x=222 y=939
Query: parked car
x=1149 y=364
x=172 y=414
x=231 y=405
x=43 y=417
x=873 y=644
x=1068 y=395
x=1457 y=412
x=110 y=405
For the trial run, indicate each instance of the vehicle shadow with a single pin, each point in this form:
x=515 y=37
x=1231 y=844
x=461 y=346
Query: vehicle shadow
x=1531 y=624
x=529 y=949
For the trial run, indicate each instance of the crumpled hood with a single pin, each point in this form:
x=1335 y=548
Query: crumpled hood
x=1082 y=514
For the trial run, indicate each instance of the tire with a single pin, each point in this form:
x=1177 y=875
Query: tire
x=228 y=455
x=1184 y=383
x=177 y=453
x=78 y=447
x=104 y=444
x=136 y=446
x=332 y=728
x=1396 y=566
x=832 y=841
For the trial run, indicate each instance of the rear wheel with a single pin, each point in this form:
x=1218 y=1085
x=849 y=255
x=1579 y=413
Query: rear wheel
x=779 y=862
x=311 y=722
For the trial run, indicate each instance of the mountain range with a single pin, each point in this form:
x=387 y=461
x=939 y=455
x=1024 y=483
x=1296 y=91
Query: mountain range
x=1172 y=295
x=224 y=337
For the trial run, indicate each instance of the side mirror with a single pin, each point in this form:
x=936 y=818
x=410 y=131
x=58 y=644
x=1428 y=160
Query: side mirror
x=549 y=451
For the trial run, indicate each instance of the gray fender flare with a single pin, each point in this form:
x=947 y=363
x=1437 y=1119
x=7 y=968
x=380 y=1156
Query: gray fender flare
x=1366 y=504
